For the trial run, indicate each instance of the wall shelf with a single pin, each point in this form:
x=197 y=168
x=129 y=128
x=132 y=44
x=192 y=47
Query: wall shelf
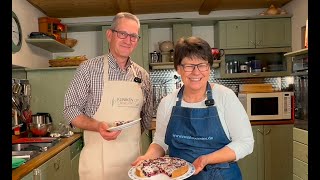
x=50 y=45
x=297 y=53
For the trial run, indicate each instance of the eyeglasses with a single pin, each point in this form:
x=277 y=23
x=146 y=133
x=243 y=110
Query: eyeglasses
x=190 y=67
x=123 y=35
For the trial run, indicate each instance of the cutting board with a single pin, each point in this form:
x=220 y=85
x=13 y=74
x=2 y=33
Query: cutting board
x=34 y=140
x=255 y=88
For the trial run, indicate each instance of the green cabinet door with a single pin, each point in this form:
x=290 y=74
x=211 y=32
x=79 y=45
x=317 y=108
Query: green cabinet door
x=257 y=33
x=271 y=158
x=249 y=165
x=28 y=176
x=141 y=53
x=75 y=167
x=58 y=167
x=273 y=32
x=181 y=30
x=278 y=145
x=235 y=34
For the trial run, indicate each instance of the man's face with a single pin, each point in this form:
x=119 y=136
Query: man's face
x=123 y=48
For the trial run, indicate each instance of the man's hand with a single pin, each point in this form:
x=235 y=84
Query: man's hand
x=107 y=135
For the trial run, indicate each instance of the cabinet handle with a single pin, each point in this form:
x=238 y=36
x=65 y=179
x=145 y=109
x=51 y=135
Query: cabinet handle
x=260 y=131
x=56 y=165
x=259 y=42
x=36 y=174
x=255 y=74
x=268 y=132
x=252 y=42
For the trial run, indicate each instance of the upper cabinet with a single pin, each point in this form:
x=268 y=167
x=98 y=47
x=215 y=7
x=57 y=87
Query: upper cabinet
x=141 y=53
x=181 y=30
x=255 y=33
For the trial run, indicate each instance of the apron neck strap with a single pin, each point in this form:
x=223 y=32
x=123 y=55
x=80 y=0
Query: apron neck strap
x=208 y=102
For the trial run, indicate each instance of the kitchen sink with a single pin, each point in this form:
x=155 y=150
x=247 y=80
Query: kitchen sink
x=37 y=146
x=27 y=155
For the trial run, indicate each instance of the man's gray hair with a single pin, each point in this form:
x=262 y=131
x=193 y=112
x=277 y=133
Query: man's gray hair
x=127 y=15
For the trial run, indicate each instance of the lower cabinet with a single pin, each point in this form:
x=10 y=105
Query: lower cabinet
x=28 y=176
x=58 y=167
x=300 y=154
x=271 y=158
x=75 y=150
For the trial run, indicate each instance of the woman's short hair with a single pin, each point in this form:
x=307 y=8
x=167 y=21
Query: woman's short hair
x=192 y=47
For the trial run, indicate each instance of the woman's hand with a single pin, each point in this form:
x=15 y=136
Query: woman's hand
x=107 y=135
x=200 y=163
x=139 y=160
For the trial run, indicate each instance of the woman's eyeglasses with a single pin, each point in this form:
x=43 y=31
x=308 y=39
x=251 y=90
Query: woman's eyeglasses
x=190 y=67
x=123 y=35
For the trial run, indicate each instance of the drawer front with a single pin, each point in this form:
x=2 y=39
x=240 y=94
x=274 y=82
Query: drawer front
x=300 y=168
x=300 y=135
x=300 y=151
x=76 y=148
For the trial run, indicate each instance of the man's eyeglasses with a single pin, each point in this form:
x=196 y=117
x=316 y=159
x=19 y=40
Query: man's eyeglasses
x=123 y=35
x=190 y=67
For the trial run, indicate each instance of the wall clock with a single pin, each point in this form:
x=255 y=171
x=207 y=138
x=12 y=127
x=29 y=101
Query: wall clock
x=16 y=34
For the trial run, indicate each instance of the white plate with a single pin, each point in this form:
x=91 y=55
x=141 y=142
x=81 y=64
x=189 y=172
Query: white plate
x=124 y=126
x=191 y=170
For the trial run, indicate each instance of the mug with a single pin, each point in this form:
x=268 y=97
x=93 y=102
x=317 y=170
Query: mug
x=217 y=53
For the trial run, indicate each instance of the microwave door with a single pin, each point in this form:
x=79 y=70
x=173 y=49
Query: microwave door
x=265 y=108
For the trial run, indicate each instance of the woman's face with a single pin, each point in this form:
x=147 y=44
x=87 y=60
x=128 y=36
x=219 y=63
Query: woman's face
x=195 y=79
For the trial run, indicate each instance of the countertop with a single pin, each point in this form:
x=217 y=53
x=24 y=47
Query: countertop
x=26 y=168
x=301 y=124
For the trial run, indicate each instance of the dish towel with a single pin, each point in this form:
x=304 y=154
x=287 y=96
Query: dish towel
x=16 y=162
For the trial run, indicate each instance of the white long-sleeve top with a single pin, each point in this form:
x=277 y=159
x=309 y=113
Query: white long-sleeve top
x=233 y=117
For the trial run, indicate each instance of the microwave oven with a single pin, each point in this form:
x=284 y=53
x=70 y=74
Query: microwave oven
x=267 y=106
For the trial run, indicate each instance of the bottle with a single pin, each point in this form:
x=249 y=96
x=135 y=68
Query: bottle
x=236 y=66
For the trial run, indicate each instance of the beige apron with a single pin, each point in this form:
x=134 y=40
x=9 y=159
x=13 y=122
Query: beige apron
x=111 y=160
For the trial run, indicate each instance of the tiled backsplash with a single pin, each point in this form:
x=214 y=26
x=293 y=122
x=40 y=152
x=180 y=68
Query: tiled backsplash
x=166 y=77
x=164 y=82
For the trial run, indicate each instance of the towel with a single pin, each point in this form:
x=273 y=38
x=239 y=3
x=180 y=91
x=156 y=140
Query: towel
x=16 y=162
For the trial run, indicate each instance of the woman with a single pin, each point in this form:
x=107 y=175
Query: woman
x=202 y=123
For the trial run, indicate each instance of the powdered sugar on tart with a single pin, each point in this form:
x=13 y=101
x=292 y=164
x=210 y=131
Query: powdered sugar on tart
x=171 y=166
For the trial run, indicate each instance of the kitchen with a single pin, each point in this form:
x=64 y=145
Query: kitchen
x=89 y=44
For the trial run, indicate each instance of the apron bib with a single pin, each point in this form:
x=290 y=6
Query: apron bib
x=111 y=160
x=192 y=132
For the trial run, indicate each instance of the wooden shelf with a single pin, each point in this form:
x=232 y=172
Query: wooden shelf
x=162 y=65
x=297 y=53
x=50 y=45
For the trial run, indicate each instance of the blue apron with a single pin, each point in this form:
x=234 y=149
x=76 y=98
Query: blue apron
x=192 y=132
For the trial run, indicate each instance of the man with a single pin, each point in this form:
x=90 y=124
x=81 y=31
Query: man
x=106 y=89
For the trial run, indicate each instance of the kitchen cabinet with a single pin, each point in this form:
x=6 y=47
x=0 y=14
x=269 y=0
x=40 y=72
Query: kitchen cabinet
x=299 y=60
x=50 y=45
x=300 y=154
x=253 y=33
x=271 y=158
x=58 y=167
x=75 y=150
x=28 y=176
x=141 y=53
x=181 y=30
x=269 y=58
